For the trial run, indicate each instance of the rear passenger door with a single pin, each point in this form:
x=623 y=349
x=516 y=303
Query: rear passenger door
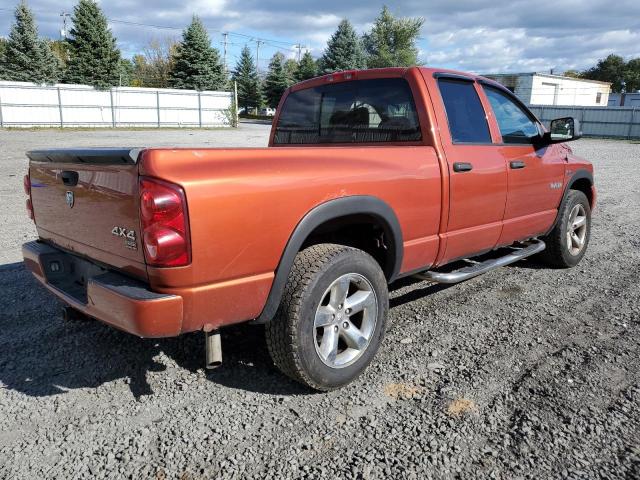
x=477 y=170
x=535 y=172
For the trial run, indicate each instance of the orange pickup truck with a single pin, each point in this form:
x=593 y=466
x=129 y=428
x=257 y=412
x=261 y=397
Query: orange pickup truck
x=369 y=176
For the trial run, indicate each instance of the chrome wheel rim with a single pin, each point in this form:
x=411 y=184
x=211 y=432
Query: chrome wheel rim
x=345 y=320
x=577 y=229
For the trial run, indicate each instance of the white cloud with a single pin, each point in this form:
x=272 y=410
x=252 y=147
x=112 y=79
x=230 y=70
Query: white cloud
x=476 y=35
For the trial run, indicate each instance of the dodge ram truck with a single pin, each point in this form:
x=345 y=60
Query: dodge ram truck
x=369 y=176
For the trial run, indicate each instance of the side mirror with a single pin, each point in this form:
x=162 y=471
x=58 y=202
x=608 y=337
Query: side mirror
x=563 y=130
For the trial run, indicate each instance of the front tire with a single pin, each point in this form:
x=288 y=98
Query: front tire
x=568 y=241
x=332 y=317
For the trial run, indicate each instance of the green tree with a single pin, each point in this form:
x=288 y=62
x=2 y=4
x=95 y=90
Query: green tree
x=94 y=58
x=246 y=76
x=632 y=75
x=392 y=41
x=276 y=81
x=127 y=73
x=572 y=73
x=197 y=64
x=610 y=69
x=26 y=57
x=307 y=68
x=290 y=68
x=3 y=46
x=344 y=50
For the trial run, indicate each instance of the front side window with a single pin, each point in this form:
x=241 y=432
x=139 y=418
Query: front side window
x=516 y=125
x=467 y=119
x=364 y=111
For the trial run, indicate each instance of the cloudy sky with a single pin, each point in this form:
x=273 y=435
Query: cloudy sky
x=472 y=35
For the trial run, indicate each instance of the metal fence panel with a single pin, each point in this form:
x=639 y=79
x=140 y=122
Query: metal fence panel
x=25 y=105
x=615 y=122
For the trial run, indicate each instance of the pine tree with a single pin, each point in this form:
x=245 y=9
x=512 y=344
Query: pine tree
x=94 y=58
x=392 y=41
x=290 y=69
x=344 y=50
x=246 y=76
x=127 y=73
x=197 y=64
x=276 y=81
x=27 y=58
x=307 y=68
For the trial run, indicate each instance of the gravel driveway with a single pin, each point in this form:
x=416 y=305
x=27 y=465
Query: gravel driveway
x=525 y=372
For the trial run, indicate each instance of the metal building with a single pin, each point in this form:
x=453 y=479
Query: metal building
x=624 y=99
x=548 y=89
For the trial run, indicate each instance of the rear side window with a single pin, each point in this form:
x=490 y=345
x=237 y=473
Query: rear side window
x=364 y=111
x=467 y=119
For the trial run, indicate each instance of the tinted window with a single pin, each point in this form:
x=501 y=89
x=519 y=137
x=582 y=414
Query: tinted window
x=467 y=120
x=364 y=111
x=516 y=125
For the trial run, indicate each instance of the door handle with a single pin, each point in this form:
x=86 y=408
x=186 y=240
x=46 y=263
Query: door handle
x=462 y=167
x=516 y=164
x=69 y=178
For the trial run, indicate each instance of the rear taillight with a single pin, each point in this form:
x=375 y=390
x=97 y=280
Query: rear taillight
x=165 y=227
x=27 y=190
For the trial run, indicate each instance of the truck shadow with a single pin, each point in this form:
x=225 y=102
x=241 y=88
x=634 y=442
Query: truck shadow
x=43 y=355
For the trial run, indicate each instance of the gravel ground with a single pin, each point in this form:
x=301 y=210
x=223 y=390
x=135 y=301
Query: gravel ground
x=525 y=372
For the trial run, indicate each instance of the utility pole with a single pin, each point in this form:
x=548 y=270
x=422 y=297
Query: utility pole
x=225 y=35
x=63 y=32
x=258 y=43
x=299 y=47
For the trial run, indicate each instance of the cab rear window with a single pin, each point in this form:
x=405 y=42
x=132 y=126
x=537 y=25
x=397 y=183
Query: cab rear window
x=364 y=111
x=466 y=116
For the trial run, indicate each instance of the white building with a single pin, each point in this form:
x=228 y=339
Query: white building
x=547 y=89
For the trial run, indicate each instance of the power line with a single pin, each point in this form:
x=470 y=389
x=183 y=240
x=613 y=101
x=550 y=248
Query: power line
x=276 y=44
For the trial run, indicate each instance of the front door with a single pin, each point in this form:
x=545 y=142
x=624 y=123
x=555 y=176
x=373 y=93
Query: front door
x=535 y=173
x=477 y=172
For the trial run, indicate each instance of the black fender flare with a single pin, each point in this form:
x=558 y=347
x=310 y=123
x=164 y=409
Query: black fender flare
x=332 y=209
x=577 y=175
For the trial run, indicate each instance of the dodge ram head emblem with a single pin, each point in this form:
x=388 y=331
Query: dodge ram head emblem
x=70 y=199
x=128 y=235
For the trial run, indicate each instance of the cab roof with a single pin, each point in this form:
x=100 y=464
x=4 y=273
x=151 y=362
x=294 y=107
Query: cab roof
x=373 y=73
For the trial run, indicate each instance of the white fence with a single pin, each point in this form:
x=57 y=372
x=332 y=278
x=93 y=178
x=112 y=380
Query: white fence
x=613 y=122
x=30 y=105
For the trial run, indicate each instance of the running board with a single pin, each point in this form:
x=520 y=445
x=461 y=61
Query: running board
x=533 y=247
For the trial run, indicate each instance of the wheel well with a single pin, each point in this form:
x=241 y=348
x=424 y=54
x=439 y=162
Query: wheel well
x=362 y=231
x=584 y=185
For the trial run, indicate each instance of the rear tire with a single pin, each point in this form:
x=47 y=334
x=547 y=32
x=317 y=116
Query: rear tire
x=568 y=241
x=332 y=317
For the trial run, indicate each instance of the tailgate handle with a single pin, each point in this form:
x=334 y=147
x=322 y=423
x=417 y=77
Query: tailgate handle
x=69 y=178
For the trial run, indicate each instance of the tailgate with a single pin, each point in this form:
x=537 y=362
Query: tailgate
x=86 y=201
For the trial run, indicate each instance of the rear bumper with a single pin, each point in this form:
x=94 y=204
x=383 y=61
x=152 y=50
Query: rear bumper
x=110 y=297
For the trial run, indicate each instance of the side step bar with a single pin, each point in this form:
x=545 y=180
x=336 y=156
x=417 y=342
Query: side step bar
x=533 y=247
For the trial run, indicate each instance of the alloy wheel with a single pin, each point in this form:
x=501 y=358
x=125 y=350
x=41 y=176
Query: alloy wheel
x=345 y=320
x=577 y=229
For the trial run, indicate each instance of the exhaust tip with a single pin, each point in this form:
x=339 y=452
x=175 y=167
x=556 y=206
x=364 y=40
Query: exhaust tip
x=213 y=350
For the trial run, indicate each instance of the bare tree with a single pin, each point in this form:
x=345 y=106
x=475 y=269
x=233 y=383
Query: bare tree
x=152 y=68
